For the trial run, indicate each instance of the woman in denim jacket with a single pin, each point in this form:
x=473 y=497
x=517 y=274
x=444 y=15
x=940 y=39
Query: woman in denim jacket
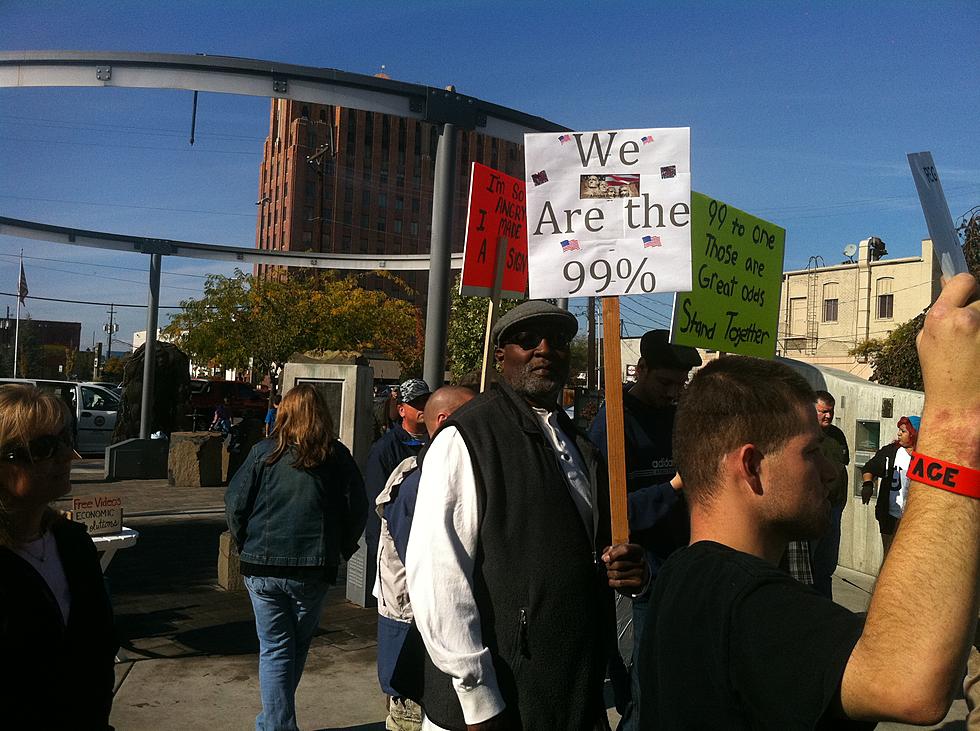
x=295 y=508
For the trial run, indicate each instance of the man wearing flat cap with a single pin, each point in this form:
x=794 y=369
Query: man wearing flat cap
x=657 y=513
x=509 y=564
x=403 y=440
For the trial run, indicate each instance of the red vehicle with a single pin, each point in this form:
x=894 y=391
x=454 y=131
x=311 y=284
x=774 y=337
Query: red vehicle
x=243 y=400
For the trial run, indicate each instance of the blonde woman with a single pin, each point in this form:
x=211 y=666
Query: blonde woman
x=296 y=508
x=56 y=630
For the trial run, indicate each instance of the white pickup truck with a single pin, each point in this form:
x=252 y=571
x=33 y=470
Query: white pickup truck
x=94 y=408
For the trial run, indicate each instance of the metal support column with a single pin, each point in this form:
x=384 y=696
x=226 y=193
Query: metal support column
x=437 y=307
x=149 y=350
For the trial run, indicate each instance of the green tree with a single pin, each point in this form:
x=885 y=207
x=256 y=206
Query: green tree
x=894 y=360
x=467 y=331
x=268 y=319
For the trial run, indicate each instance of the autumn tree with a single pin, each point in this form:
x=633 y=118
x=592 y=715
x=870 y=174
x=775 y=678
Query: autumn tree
x=265 y=320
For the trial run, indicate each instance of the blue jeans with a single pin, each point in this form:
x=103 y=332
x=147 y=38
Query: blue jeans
x=630 y=718
x=287 y=612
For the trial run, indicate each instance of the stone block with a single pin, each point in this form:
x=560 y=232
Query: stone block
x=194 y=459
x=229 y=565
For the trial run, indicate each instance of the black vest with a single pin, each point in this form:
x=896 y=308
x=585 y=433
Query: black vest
x=546 y=610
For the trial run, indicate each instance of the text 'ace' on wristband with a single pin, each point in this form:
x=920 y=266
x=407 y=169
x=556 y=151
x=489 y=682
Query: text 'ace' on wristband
x=944 y=475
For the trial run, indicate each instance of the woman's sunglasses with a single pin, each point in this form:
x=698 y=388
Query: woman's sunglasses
x=37 y=450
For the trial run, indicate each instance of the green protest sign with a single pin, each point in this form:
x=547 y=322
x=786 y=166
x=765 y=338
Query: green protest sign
x=737 y=263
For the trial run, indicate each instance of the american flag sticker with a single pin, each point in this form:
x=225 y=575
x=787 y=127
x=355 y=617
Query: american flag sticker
x=539 y=178
x=646 y=139
x=651 y=241
x=669 y=171
x=570 y=245
x=564 y=138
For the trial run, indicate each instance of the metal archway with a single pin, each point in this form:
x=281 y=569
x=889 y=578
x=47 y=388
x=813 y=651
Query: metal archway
x=252 y=77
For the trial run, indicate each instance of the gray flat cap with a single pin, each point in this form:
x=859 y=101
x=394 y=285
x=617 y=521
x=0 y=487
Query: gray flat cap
x=533 y=310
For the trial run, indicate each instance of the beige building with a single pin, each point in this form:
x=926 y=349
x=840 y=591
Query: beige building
x=825 y=311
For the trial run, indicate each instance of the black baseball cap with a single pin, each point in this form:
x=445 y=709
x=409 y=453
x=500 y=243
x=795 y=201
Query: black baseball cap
x=659 y=352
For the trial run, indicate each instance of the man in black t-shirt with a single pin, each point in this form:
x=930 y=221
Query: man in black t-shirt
x=733 y=642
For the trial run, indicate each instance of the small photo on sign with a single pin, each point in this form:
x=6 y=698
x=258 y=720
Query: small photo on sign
x=609 y=186
x=668 y=171
x=539 y=178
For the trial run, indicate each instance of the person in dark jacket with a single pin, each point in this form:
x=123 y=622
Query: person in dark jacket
x=403 y=440
x=57 y=638
x=295 y=509
x=509 y=563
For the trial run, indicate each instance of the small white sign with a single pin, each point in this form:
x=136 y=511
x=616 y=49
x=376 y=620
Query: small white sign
x=944 y=239
x=608 y=212
x=100 y=514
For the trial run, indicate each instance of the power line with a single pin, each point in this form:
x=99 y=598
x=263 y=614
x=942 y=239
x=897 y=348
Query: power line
x=98 y=127
x=107 y=266
x=131 y=147
x=104 y=276
x=85 y=302
x=125 y=205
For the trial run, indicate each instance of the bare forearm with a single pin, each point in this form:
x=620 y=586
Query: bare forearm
x=910 y=658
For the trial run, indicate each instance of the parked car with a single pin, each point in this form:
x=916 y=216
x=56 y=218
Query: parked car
x=243 y=400
x=93 y=408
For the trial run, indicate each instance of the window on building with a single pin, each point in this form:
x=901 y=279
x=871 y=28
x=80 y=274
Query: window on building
x=381 y=224
x=307 y=237
x=397 y=226
x=348 y=217
x=414 y=228
x=308 y=213
x=416 y=205
x=348 y=193
x=885 y=298
x=347 y=243
x=385 y=132
x=399 y=203
x=365 y=220
x=797 y=316
x=382 y=200
x=368 y=129
x=830 y=301
x=365 y=197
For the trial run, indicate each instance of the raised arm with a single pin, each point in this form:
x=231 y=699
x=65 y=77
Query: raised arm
x=911 y=655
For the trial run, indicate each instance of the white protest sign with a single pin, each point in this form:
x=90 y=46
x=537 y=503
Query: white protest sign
x=609 y=212
x=944 y=239
x=100 y=514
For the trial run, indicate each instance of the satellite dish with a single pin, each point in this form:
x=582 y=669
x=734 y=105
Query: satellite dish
x=850 y=250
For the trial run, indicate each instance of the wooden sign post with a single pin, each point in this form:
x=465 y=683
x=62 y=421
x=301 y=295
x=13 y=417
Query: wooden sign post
x=493 y=312
x=615 y=437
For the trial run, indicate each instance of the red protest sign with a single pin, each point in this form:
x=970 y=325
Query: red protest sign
x=496 y=210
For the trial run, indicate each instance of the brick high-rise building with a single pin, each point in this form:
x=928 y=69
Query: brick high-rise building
x=344 y=181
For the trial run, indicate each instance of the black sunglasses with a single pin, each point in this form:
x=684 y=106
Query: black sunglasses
x=529 y=339
x=37 y=450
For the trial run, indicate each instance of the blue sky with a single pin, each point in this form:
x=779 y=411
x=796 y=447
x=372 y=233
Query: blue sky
x=801 y=113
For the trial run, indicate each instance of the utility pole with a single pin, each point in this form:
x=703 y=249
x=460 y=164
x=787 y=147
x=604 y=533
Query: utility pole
x=110 y=328
x=318 y=161
x=590 y=359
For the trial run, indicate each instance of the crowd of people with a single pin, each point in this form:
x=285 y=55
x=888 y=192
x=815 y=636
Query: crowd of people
x=486 y=518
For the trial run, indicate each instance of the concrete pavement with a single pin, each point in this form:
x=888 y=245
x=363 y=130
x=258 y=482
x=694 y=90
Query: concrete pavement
x=189 y=650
